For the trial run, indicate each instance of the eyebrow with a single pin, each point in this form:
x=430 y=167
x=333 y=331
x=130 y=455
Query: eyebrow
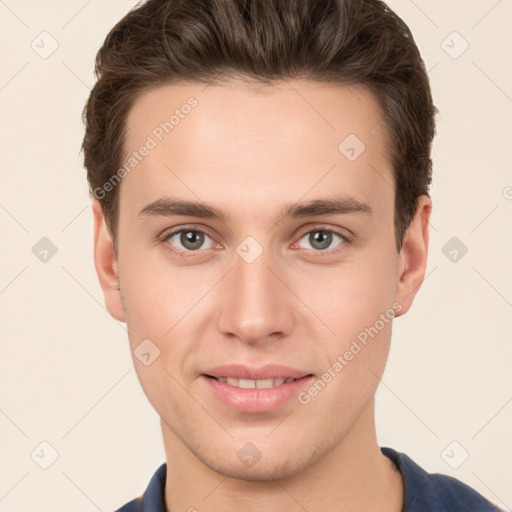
x=169 y=206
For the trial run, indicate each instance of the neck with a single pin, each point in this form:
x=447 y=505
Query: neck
x=355 y=475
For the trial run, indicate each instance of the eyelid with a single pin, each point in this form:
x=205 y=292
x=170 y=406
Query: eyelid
x=173 y=231
x=343 y=232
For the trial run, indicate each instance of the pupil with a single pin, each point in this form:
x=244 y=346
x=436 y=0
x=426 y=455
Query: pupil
x=322 y=238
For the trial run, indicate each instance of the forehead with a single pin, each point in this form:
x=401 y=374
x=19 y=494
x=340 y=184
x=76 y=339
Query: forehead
x=261 y=143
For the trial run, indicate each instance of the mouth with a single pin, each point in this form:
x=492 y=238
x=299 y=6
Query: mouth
x=260 y=395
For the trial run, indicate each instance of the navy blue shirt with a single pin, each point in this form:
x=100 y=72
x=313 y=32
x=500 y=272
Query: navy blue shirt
x=423 y=492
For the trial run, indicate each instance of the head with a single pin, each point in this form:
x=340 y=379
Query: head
x=265 y=114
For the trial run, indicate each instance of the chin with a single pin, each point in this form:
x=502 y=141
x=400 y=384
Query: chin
x=262 y=471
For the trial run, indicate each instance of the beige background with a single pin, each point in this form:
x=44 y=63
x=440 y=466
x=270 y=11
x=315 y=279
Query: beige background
x=66 y=372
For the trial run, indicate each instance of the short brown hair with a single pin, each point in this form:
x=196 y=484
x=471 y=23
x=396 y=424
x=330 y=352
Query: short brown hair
x=343 y=42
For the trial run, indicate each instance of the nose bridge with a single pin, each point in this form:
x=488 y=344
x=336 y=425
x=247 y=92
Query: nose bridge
x=254 y=303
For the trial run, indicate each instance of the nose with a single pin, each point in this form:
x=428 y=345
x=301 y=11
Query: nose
x=255 y=304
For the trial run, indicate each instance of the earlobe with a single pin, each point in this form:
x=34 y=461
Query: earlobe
x=414 y=254
x=106 y=264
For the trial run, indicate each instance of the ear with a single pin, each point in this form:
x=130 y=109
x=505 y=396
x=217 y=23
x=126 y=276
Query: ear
x=106 y=264
x=413 y=261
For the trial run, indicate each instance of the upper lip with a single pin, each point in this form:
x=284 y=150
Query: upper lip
x=269 y=371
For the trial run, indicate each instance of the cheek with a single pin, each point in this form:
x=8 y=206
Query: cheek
x=169 y=306
x=155 y=296
x=157 y=305
x=357 y=305
x=353 y=296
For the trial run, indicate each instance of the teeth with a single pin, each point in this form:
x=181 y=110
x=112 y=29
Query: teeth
x=267 y=383
x=254 y=384
x=243 y=383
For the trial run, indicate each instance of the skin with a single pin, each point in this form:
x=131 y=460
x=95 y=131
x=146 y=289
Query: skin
x=251 y=151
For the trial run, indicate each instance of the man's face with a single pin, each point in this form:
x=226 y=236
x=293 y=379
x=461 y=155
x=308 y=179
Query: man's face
x=259 y=288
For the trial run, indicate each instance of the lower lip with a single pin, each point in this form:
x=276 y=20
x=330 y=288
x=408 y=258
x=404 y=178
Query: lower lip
x=256 y=400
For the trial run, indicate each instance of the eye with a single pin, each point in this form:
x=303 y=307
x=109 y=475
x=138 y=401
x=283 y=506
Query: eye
x=321 y=239
x=187 y=241
x=190 y=239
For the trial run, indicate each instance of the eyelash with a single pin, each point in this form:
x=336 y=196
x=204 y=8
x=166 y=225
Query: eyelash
x=186 y=254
